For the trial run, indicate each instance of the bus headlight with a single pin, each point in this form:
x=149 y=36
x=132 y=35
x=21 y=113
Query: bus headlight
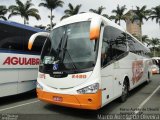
x=89 y=89
x=39 y=86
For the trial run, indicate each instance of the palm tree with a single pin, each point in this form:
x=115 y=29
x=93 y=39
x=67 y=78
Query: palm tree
x=51 y=18
x=145 y=39
x=140 y=15
x=154 y=42
x=51 y=5
x=24 y=10
x=99 y=11
x=3 y=11
x=155 y=14
x=119 y=11
x=71 y=11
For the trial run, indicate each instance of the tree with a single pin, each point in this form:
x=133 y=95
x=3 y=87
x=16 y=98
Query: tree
x=99 y=11
x=51 y=18
x=40 y=26
x=71 y=11
x=155 y=14
x=3 y=11
x=145 y=39
x=51 y=5
x=140 y=14
x=154 y=43
x=49 y=27
x=119 y=11
x=24 y=10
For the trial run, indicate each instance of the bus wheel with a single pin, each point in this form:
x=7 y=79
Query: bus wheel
x=149 y=78
x=124 y=95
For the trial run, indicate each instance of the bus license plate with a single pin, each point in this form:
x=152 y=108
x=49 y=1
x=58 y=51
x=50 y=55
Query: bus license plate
x=57 y=99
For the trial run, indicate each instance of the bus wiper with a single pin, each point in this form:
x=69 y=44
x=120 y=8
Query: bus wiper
x=58 y=50
x=60 y=44
x=71 y=59
x=66 y=50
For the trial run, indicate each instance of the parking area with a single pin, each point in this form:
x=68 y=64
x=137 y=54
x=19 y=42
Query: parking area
x=145 y=99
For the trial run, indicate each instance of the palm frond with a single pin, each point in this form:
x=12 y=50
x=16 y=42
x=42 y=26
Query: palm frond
x=33 y=10
x=13 y=8
x=119 y=14
x=13 y=14
x=71 y=10
x=24 y=10
x=155 y=14
x=19 y=3
x=98 y=11
x=3 y=10
x=28 y=4
x=93 y=10
x=65 y=16
x=70 y=6
x=43 y=5
x=3 y=17
x=35 y=15
x=105 y=15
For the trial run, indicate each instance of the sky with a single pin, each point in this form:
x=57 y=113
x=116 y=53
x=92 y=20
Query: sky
x=149 y=27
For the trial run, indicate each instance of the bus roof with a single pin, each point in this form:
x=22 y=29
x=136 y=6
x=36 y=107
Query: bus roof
x=21 y=26
x=85 y=17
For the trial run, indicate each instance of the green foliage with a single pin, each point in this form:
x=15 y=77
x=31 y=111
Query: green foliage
x=141 y=14
x=99 y=11
x=119 y=14
x=155 y=46
x=71 y=11
x=3 y=11
x=24 y=10
x=51 y=5
x=155 y=14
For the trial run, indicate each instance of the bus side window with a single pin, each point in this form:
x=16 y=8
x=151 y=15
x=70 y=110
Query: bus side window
x=12 y=43
x=114 y=41
x=131 y=44
x=105 y=48
x=137 y=48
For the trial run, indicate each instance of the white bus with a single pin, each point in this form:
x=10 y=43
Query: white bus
x=18 y=65
x=88 y=61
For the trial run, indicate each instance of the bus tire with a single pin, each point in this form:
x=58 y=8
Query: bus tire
x=125 y=91
x=149 y=78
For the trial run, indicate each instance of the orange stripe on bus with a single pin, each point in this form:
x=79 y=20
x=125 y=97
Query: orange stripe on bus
x=94 y=33
x=30 y=45
x=81 y=101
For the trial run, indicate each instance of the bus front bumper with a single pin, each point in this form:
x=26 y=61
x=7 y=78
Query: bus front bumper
x=80 y=101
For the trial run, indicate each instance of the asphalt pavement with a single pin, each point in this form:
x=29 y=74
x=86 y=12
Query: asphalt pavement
x=143 y=100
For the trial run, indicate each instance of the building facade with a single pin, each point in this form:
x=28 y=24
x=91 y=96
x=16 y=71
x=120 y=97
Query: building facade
x=133 y=27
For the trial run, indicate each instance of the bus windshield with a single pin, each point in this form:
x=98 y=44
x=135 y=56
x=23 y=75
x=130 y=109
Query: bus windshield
x=70 y=48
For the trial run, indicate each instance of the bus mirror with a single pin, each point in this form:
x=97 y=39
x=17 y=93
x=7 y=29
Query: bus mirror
x=95 y=28
x=34 y=36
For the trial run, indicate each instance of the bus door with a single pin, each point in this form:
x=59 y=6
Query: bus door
x=115 y=48
x=107 y=84
x=106 y=71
